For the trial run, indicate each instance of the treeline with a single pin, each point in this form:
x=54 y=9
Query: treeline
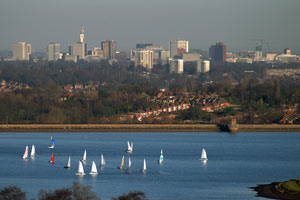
x=50 y=104
x=76 y=192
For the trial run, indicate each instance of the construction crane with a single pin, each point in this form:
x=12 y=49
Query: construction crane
x=259 y=47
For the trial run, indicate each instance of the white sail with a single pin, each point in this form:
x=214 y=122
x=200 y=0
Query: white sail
x=122 y=163
x=129 y=163
x=80 y=171
x=32 y=154
x=69 y=163
x=84 y=156
x=204 y=155
x=25 y=155
x=94 y=169
x=161 y=157
x=52 y=143
x=144 y=166
x=102 y=163
x=131 y=146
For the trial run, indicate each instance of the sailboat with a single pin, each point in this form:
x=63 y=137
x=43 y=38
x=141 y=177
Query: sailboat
x=52 y=143
x=129 y=147
x=94 y=169
x=129 y=166
x=80 y=171
x=32 y=154
x=52 y=158
x=129 y=163
x=122 y=163
x=84 y=156
x=68 y=164
x=102 y=162
x=203 y=155
x=144 y=167
x=25 y=155
x=161 y=157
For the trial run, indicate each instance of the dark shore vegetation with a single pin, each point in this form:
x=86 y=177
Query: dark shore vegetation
x=256 y=98
x=76 y=192
x=287 y=190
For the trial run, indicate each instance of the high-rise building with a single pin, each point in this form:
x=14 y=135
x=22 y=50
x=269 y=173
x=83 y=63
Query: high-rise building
x=178 y=47
x=109 y=49
x=218 y=52
x=203 y=66
x=78 y=50
x=176 y=66
x=21 y=51
x=144 y=58
x=53 y=52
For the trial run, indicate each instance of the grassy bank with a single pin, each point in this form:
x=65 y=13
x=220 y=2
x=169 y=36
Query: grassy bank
x=141 y=128
x=287 y=190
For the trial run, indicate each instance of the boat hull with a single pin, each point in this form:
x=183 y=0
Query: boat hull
x=80 y=174
x=93 y=173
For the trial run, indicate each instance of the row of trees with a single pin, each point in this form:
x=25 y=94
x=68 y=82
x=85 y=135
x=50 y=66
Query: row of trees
x=76 y=192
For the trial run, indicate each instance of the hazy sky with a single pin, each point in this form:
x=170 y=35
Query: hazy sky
x=202 y=22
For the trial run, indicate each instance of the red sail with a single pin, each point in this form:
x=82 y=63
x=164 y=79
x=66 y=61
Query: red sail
x=52 y=158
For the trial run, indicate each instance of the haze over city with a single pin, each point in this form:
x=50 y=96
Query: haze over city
x=202 y=22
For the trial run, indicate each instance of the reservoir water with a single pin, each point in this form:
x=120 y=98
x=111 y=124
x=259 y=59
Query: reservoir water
x=235 y=162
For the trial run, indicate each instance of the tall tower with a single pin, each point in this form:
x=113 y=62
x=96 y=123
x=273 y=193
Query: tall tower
x=21 y=51
x=178 y=47
x=218 y=52
x=109 y=49
x=82 y=35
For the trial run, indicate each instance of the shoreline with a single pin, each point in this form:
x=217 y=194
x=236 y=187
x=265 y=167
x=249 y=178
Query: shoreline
x=143 y=128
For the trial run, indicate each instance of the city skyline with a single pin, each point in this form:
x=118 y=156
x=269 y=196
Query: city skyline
x=203 y=23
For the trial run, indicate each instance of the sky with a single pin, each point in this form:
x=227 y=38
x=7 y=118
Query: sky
x=201 y=22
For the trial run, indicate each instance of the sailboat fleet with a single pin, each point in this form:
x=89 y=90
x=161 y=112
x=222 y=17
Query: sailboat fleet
x=94 y=171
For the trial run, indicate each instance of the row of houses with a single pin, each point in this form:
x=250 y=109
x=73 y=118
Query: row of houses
x=156 y=112
x=91 y=86
x=11 y=86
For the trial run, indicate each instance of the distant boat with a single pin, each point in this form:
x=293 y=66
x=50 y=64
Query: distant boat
x=204 y=155
x=52 y=144
x=144 y=167
x=84 y=156
x=80 y=171
x=129 y=147
x=68 y=164
x=32 y=154
x=94 y=169
x=25 y=155
x=161 y=157
x=52 y=158
x=122 y=163
x=129 y=163
x=102 y=162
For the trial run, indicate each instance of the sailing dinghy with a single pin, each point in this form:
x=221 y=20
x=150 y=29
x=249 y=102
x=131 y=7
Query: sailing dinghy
x=25 y=155
x=102 y=162
x=52 y=158
x=204 y=155
x=80 y=171
x=32 y=154
x=161 y=157
x=144 y=167
x=84 y=156
x=122 y=163
x=129 y=147
x=94 y=169
x=52 y=144
x=68 y=164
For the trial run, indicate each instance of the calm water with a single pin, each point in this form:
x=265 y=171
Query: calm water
x=235 y=163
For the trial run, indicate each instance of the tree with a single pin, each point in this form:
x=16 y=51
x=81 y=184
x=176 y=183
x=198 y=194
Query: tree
x=137 y=195
x=12 y=193
x=81 y=192
x=59 y=194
